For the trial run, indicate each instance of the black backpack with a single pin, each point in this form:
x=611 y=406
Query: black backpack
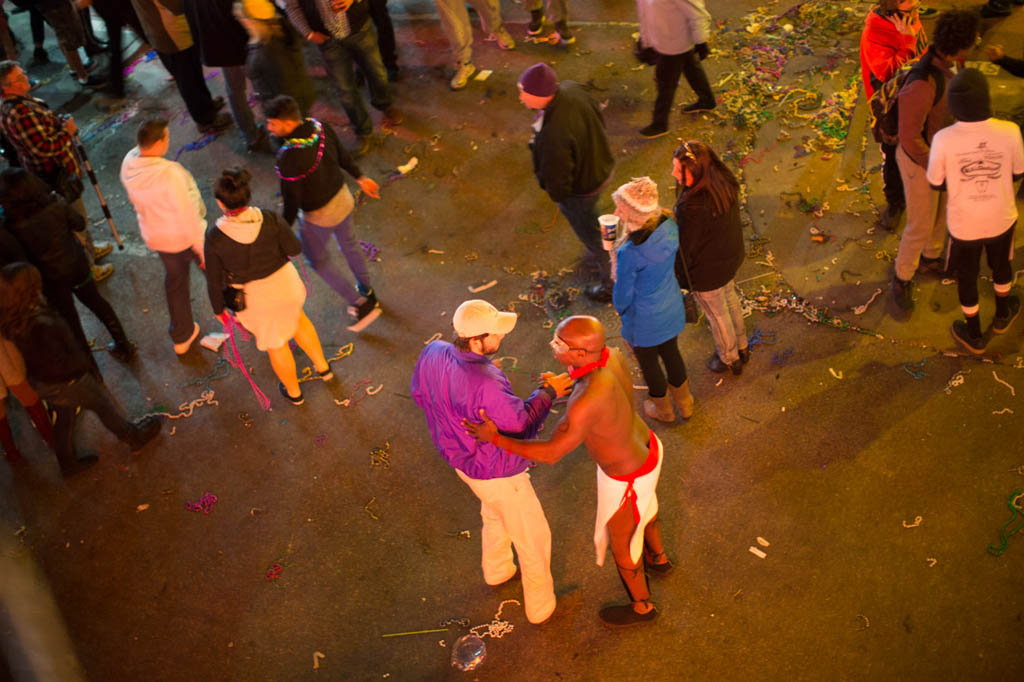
x=885 y=116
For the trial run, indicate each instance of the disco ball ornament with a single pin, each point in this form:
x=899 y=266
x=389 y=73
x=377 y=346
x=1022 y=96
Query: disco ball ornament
x=468 y=652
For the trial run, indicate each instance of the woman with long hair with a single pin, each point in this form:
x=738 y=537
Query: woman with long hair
x=60 y=369
x=45 y=226
x=711 y=248
x=247 y=260
x=646 y=295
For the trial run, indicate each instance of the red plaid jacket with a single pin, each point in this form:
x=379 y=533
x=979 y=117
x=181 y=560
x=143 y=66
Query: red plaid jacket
x=38 y=135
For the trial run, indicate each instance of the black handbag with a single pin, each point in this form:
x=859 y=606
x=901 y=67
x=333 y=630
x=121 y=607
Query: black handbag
x=689 y=300
x=234 y=299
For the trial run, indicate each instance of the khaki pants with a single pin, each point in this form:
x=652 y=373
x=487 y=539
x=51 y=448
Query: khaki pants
x=512 y=515
x=458 y=31
x=926 y=218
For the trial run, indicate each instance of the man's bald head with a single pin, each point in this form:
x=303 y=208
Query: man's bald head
x=582 y=331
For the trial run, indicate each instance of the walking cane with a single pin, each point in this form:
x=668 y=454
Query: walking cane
x=92 y=176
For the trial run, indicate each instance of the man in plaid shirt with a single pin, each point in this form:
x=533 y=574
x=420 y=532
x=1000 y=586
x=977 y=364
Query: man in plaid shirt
x=45 y=145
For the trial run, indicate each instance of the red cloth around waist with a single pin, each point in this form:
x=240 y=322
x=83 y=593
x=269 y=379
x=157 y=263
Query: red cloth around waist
x=629 y=497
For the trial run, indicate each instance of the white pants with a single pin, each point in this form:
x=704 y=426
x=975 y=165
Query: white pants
x=512 y=515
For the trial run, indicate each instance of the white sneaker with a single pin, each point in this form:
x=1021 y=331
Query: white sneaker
x=462 y=75
x=182 y=348
x=504 y=40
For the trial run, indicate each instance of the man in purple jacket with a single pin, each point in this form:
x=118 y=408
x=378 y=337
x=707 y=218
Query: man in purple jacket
x=452 y=382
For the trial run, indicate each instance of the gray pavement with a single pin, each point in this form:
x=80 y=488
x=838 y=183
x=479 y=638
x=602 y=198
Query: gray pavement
x=829 y=452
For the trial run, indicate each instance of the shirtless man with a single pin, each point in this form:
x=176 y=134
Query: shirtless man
x=628 y=456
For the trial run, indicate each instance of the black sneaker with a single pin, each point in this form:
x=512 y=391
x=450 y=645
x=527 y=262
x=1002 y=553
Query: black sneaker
x=903 y=293
x=698 y=107
x=92 y=81
x=145 y=431
x=653 y=131
x=1001 y=324
x=623 y=615
x=718 y=366
x=364 y=313
x=565 y=36
x=219 y=124
x=599 y=293
x=536 y=22
x=889 y=218
x=293 y=401
x=935 y=266
x=39 y=57
x=744 y=355
x=962 y=335
x=122 y=352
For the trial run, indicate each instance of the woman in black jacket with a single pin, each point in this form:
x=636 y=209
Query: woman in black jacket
x=45 y=226
x=711 y=248
x=247 y=260
x=60 y=369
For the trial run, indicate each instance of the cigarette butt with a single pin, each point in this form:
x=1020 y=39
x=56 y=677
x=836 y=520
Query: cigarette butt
x=758 y=553
x=761 y=541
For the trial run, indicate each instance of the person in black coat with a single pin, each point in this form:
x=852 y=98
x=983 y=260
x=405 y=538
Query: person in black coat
x=44 y=225
x=571 y=158
x=60 y=369
x=275 y=64
x=223 y=42
x=711 y=248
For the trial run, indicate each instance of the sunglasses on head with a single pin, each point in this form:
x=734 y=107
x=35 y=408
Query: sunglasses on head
x=560 y=346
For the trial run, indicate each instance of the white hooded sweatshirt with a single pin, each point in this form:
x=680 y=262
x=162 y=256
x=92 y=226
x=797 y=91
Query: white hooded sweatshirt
x=171 y=212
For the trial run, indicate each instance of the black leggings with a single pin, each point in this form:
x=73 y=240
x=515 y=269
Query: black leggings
x=965 y=261
x=647 y=358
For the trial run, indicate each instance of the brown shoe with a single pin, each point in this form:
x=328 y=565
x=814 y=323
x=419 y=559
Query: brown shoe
x=683 y=399
x=660 y=409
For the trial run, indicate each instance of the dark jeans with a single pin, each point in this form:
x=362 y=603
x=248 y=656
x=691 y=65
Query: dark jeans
x=647 y=358
x=340 y=57
x=385 y=33
x=177 y=284
x=116 y=16
x=581 y=212
x=965 y=261
x=666 y=78
x=277 y=67
x=36 y=20
x=892 y=181
x=61 y=297
x=84 y=393
x=188 y=76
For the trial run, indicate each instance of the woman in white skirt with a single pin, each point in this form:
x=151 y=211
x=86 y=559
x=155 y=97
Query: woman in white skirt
x=248 y=272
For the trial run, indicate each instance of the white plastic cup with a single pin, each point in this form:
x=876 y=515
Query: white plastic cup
x=609 y=230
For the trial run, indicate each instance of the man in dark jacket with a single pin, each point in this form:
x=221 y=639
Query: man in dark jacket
x=310 y=164
x=571 y=158
x=345 y=35
x=224 y=43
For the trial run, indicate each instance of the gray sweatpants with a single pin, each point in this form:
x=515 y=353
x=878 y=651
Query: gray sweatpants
x=455 y=24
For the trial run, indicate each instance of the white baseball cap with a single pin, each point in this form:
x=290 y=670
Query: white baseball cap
x=477 y=317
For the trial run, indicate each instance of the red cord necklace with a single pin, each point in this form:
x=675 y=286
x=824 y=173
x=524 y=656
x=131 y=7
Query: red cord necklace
x=590 y=367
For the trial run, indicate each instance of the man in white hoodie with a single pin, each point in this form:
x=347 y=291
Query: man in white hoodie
x=172 y=220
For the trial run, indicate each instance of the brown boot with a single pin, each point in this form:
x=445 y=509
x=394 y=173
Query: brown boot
x=683 y=398
x=660 y=409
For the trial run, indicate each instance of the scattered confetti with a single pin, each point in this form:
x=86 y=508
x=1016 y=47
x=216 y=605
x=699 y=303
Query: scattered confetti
x=931 y=562
x=366 y=507
x=204 y=504
x=861 y=309
x=317 y=657
x=381 y=457
x=915 y=524
x=274 y=572
x=1005 y=410
x=142 y=507
x=996 y=377
x=433 y=338
x=837 y=375
x=482 y=287
x=756 y=552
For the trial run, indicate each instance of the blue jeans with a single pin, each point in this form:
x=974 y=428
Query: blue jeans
x=340 y=56
x=314 y=247
x=725 y=316
x=177 y=286
x=581 y=212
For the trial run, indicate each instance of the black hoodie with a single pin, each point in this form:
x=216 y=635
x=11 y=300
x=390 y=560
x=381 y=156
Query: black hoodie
x=316 y=181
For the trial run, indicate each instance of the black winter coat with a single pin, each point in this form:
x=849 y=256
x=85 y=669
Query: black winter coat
x=221 y=39
x=47 y=236
x=711 y=244
x=571 y=155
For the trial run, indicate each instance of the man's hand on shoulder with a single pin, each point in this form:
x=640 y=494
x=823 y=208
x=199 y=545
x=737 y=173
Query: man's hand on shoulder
x=369 y=186
x=485 y=431
x=560 y=383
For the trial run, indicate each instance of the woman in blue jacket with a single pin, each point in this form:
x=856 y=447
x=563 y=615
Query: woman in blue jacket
x=647 y=296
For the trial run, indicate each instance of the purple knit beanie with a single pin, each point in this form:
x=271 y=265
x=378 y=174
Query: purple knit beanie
x=540 y=80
